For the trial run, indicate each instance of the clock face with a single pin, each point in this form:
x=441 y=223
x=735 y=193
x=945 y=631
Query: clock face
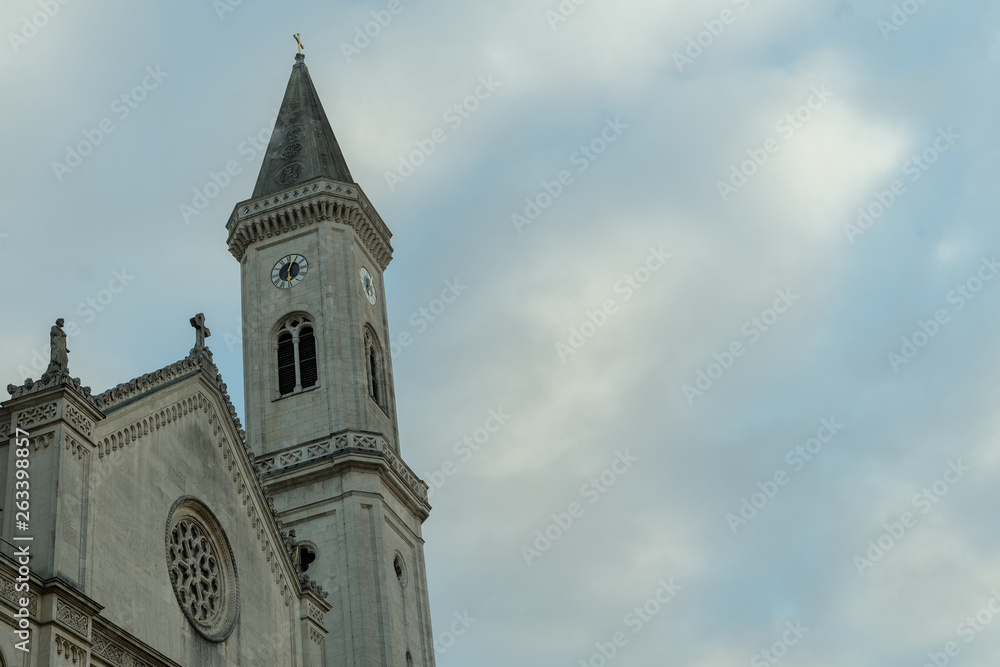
x=368 y=285
x=289 y=271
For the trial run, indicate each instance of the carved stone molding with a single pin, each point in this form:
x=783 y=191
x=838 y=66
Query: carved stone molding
x=8 y=592
x=315 y=635
x=70 y=651
x=76 y=418
x=319 y=200
x=39 y=414
x=202 y=569
x=315 y=613
x=343 y=441
x=71 y=617
x=107 y=650
x=150 y=423
x=48 y=381
x=42 y=441
x=74 y=447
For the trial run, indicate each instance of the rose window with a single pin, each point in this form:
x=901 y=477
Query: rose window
x=202 y=571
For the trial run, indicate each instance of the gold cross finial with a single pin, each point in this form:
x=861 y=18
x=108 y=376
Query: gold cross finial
x=298 y=41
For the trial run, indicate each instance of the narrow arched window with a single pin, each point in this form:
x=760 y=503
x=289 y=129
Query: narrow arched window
x=373 y=374
x=409 y=659
x=296 y=352
x=307 y=358
x=286 y=364
x=373 y=361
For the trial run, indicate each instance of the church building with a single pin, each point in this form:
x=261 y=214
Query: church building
x=144 y=527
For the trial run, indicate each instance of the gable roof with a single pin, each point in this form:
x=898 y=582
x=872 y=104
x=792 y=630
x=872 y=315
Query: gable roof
x=198 y=362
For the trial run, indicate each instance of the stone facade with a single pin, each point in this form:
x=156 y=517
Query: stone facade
x=165 y=535
x=105 y=485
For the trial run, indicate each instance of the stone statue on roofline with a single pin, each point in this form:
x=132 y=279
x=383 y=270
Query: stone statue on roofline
x=59 y=353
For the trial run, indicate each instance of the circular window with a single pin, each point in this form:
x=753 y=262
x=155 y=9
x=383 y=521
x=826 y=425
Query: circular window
x=202 y=570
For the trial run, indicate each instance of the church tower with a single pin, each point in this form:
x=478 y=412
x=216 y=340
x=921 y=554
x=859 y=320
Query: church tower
x=320 y=407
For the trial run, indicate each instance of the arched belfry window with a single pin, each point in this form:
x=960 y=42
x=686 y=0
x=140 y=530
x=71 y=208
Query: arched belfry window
x=373 y=364
x=296 y=355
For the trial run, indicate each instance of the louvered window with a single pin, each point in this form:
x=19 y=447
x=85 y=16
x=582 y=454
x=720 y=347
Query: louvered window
x=297 y=362
x=307 y=358
x=286 y=364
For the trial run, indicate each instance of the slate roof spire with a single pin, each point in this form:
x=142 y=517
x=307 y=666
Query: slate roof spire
x=302 y=146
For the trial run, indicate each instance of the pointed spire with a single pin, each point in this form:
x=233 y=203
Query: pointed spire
x=302 y=146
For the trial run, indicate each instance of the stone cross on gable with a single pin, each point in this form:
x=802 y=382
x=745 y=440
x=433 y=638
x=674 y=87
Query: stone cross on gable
x=201 y=332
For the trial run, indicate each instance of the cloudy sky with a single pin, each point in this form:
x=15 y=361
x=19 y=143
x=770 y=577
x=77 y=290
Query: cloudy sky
x=733 y=261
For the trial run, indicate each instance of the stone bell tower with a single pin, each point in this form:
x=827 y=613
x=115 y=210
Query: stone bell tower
x=320 y=407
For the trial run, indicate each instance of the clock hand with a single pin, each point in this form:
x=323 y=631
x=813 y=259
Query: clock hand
x=290 y=269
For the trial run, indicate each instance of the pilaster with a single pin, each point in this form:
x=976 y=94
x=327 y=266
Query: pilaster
x=59 y=417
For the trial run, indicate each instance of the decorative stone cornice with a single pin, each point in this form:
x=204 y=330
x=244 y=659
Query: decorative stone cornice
x=306 y=583
x=198 y=359
x=73 y=618
x=116 y=647
x=344 y=441
x=9 y=592
x=106 y=649
x=48 y=381
x=316 y=201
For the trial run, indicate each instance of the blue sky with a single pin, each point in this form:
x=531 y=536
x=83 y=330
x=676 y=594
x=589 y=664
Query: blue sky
x=781 y=240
